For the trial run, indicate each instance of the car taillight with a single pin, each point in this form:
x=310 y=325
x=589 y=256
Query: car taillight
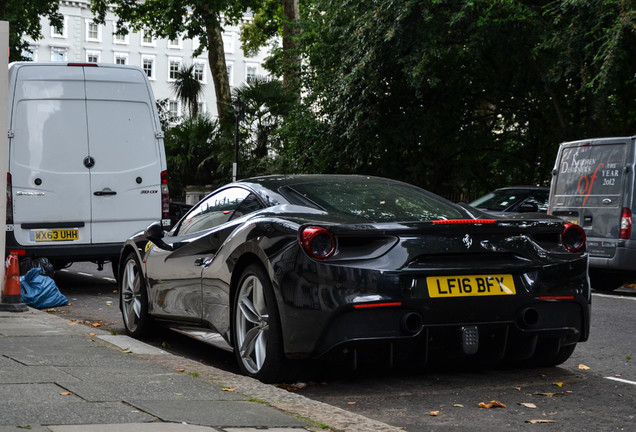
x=165 y=198
x=9 y=200
x=573 y=238
x=626 y=224
x=317 y=242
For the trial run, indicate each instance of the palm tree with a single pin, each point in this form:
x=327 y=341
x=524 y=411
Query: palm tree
x=188 y=88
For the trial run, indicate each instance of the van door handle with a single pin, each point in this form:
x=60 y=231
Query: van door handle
x=105 y=192
x=607 y=201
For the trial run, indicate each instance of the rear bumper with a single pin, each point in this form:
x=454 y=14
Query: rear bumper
x=623 y=258
x=66 y=252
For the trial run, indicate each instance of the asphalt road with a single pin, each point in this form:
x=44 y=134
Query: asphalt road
x=594 y=390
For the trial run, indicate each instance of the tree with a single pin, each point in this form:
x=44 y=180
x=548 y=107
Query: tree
x=273 y=19
x=452 y=94
x=188 y=88
x=24 y=20
x=202 y=19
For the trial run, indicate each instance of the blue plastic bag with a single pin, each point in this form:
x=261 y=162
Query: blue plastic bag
x=40 y=291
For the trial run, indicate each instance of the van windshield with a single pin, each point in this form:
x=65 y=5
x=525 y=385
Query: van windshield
x=590 y=174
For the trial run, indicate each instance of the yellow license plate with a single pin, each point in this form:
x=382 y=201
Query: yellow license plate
x=470 y=285
x=54 y=235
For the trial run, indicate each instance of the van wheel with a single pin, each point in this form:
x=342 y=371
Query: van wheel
x=133 y=298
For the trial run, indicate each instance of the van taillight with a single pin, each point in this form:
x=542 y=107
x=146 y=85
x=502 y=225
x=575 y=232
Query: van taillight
x=9 y=201
x=626 y=224
x=165 y=199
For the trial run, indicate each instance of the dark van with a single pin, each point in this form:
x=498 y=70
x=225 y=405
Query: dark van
x=593 y=186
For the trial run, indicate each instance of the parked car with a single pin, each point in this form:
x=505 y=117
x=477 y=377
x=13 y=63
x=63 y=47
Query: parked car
x=593 y=186
x=280 y=268
x=519 y=199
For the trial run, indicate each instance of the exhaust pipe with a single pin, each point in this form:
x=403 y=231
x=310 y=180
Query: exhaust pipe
x=529 y=317
x=412 y=323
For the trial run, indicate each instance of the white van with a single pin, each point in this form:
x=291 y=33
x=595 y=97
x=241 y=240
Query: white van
x=593 y=185
x=87 y=166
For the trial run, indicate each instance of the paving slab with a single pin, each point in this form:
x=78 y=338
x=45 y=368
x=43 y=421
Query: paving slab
x=219 y=413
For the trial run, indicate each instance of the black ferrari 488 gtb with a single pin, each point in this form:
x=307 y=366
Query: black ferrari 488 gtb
x=281 y=268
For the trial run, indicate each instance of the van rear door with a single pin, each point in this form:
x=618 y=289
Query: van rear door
x=48 y=142
x=587 y=189
x=124 y=144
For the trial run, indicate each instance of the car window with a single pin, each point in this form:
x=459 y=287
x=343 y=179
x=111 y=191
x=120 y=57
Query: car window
x=214 y=210
x=500 y=199
x=249 y=205
x=376 y=201
x=540 y=198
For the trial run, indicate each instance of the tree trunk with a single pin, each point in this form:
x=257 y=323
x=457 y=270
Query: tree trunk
x=218 y=68
x=291 y=58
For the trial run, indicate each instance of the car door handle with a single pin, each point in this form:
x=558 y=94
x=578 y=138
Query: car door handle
x=105 y=192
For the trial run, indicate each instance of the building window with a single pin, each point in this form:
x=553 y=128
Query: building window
x=148 y=65
x=93 y=56
x=250 y=73
x=173 y=110
x=147 y=39
x=121 y=58
x=60 y=32
x=119 y=39
x=199 y=71
x=93 y=31
x=228 y=43
x=58 y=54
x=175 y=43
x=31 y=53
x=174 y=65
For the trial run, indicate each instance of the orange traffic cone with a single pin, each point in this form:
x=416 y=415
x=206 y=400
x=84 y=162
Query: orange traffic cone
x=11 y=294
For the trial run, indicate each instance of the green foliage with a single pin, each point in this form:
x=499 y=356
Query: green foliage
x=197 y=152
x=188 y=88
x=265 y=106
x=24 y=20
x=459 y=96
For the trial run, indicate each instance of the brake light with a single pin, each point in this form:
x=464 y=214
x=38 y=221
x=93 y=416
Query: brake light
x=626 y=224
x=165 y=198
x=463 y=221
x=9 y=220
x=317 y=242
x=573 y=237
x=82 y=64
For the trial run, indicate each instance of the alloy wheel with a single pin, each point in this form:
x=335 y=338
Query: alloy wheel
x=252 y=324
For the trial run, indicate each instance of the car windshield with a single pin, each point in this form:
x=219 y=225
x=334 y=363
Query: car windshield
x=376 y=201
x=500 y=199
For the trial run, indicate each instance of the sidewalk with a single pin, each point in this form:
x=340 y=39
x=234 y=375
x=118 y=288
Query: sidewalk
x=59 y=377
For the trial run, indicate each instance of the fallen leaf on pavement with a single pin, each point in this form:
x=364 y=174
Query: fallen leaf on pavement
x=492 y=404
x=66 y=394
x=550 y=394
x=583 y=367
x=517 y=388
x=434 y=413
x=180 y=370
x=458 y=406
x=540 y=421
x=528 y=405
x=228 y=389
x=97 y=323
x=558 y=384
x=351 y=403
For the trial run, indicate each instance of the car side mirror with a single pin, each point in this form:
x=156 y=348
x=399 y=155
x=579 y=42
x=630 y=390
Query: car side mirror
x=528 y=207
x=155 y=234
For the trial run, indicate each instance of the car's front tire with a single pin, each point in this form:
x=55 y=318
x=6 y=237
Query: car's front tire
x=133 y=298
x=256 y=331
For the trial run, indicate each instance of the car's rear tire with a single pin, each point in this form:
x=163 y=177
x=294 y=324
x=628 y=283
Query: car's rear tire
x=256 y=328
x=133 y=298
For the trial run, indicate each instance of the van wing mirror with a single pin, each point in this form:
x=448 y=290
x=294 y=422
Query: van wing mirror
x=155 y=234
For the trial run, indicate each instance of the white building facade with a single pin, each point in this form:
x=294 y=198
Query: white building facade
x=81 y=41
